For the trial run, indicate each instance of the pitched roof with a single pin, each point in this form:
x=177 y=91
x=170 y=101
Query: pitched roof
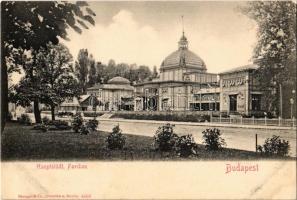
x=83 y=97
x=118 y=80
x=71 y=102
x=241 y=68
x=112 y=87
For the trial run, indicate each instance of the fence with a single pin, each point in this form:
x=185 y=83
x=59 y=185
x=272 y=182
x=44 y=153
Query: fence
x=255 y=121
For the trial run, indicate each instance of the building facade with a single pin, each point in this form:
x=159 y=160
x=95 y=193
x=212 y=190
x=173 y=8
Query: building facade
x=183 y=85
x=116 y=95
x=239 y=92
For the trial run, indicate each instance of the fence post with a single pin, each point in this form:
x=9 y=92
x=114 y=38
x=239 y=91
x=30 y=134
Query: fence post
x=253 y=118
x=220 y=118
x=256 y=142
x=265 y=118
x=230 y=119
x=241 y=119
x=293 y=121
x=279 y=121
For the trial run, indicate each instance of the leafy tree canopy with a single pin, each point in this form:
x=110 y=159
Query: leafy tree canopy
x=33 y=24
x=276 y=46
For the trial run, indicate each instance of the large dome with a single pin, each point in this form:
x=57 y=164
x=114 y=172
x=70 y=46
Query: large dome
x=118 y=80
x=183 y=57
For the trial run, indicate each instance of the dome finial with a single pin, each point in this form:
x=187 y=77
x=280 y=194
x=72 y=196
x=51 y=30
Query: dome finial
x=183 y=25
x=183 y=43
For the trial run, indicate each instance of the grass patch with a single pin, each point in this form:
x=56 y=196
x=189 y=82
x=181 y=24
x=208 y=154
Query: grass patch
x=22 y=143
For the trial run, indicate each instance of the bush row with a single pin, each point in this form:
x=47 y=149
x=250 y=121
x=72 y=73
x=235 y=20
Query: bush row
x=62 y=114
x=48 y=124
x=183 y=117
x=92 y=114
x=184 y=146
x=166 y=140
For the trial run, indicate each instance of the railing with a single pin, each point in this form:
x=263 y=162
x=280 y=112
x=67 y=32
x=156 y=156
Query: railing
x=255 y=121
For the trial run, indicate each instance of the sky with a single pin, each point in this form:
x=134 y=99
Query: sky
x=146 y=32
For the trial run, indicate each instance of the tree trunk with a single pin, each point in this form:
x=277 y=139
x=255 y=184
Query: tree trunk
x=37 y=114
x=4 y=93
x=53 y=112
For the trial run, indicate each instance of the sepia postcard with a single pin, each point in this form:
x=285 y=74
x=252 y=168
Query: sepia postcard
x=148 y=100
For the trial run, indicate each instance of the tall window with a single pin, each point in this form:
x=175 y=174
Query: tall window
x=256 y=102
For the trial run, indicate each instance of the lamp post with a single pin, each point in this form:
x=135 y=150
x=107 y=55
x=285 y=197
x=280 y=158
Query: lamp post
x=292 y=103
x=145 y=99
x=177 y=101
x=281 y=100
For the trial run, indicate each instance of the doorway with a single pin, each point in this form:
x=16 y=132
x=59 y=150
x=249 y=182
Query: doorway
x=233 y=103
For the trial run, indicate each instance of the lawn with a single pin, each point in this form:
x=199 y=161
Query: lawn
x=22 y=143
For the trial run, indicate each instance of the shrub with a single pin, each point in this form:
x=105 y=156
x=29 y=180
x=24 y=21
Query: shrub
x=77 y=122
x=62 y=114
x=92 y=114
x=259 y=114
x=24 y=119
x=42 y=127
x=275 y=146
x=92 y=124
x=84 y=130
x=185 y=146
x=212 y=139
x=29 y=109
x=9 y=117
x=164 y=138
x=58 y=125
x=116 y=140
x=45 y=120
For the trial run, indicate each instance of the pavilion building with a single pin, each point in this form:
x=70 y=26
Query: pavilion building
x=116 y=94
x=184 y=84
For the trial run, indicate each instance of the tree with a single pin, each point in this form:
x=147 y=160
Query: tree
x=110 y=70
x=92 y=72
x=275 y=51
x=49 y=79
x=82 y=68
x=144 y=72
x=155 y=72
x=100 y=72
x=31 y=25
x=57 y=77
x=29 y=89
